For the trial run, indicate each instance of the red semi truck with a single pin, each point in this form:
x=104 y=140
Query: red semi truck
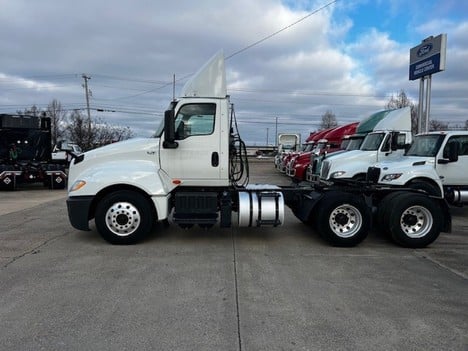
x=329 y=142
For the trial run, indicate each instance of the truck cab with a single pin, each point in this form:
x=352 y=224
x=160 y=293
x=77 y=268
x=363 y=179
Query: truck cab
x=436 y=162
x=387 y=141
x=62 y=151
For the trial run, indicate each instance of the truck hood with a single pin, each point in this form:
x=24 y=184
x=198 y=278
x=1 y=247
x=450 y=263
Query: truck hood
x=349 y=162
x=125 y=149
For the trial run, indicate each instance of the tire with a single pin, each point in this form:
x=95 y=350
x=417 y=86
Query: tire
x=343 y=219
x=383 y=211
x=124 y=217
x=361 y=177
x=415 y=220
x=429 y=188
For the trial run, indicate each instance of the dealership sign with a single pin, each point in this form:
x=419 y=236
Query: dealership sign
x=428 y=57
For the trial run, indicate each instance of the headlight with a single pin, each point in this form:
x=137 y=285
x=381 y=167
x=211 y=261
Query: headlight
x=337 y=174
x=78 y=185
x=391 y=176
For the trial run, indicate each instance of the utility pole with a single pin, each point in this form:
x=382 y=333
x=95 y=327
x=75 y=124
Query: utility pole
x=276 y=133
x=85 y=86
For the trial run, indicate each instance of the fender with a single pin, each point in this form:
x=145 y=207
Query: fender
x=137 y=173
x=409 y=169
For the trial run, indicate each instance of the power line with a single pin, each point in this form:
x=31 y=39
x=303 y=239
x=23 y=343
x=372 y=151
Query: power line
x=281 y=30
x=302 y=93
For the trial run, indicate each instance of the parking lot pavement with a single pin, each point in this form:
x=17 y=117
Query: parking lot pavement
x=26 y=197
x=226 y=289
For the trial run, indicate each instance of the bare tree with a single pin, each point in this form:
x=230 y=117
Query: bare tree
x=76 y=127
x=77 y=130
x=107 y=134
x=437 y=125
x=402 y=100
x=328 y=120
x=101 y=133
x=31 y=111
x=57 y=117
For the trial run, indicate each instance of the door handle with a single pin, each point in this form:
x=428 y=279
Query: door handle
x=215 y=159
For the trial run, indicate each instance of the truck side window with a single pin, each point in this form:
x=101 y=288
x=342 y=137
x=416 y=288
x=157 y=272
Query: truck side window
x=387 y=143
x=195 y=119
x=462 y=140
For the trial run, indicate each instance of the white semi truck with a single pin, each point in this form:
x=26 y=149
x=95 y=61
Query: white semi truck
x=287 y=143
x=194 y=172
x=393 y=126
x=436 y=162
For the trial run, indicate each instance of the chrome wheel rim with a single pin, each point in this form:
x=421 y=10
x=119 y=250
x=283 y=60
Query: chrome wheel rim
x=345 y=221
x=123 y=218
x=416 y=222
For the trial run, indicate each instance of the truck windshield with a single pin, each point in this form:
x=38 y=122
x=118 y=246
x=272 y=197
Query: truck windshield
x=354 y=144
x=372 y=141
x=425 y=145
x=159 y=130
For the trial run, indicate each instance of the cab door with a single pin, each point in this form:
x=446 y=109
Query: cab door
x=196 y=159
x=454 y=173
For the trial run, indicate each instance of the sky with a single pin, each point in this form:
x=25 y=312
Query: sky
x=345 y=56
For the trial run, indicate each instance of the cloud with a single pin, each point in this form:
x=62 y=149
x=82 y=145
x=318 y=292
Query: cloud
x=132 y=49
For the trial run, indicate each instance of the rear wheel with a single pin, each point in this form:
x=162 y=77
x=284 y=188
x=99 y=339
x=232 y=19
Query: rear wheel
x=124 y=217
x=343 y=219
x=383 y=211
x=415 y=220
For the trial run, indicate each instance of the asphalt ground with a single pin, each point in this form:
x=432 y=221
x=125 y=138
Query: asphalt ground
x=223 y=289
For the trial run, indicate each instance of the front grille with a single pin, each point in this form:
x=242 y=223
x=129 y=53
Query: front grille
x=373 y=174
x=325 y=169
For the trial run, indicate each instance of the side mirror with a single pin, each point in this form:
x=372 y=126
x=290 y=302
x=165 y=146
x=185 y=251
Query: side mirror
x=169 y=130
x=453 y=149
x=394 y=142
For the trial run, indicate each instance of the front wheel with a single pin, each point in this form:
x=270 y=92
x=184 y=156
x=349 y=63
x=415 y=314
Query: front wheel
x=415 y=220
x=124 y=217
x=343 y=219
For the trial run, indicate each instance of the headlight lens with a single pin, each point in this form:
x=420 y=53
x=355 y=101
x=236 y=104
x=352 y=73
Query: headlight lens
x=78 y=185
x=337 y=174
x=391 y=176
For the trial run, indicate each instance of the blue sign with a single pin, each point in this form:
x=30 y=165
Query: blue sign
x=425 y=67
x=428 y=57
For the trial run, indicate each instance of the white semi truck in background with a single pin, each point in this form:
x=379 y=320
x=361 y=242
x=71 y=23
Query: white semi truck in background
x=436 y=162
x=287 y=143
x=195 y=172
x=390 y=136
